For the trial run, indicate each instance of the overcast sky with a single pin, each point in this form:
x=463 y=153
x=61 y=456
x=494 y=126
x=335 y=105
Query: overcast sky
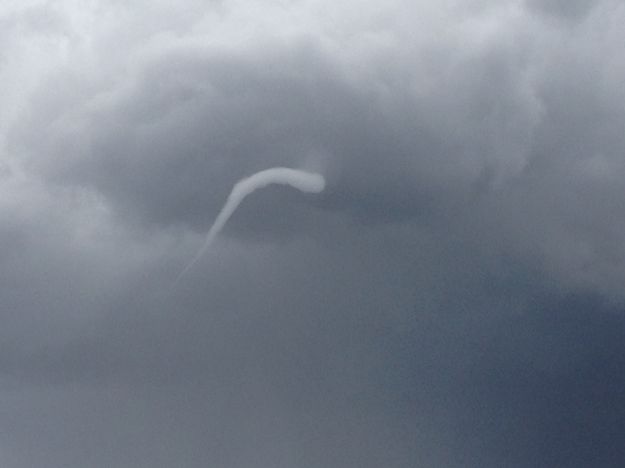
x=455 y=298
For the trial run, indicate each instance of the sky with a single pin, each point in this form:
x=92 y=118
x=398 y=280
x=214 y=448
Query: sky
x=453 y=298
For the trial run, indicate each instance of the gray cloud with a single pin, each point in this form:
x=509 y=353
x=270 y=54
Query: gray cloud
x=571 y=10
x=454 y=298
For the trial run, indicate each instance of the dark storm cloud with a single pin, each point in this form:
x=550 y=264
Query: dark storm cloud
x=440 y=116
x=454 y=298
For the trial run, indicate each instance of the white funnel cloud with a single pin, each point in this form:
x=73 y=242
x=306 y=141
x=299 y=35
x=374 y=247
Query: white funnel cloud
x=301 y=180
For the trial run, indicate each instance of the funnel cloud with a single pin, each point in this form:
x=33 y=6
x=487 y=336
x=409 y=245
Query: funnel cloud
x=453 y=298
x=303 y=181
